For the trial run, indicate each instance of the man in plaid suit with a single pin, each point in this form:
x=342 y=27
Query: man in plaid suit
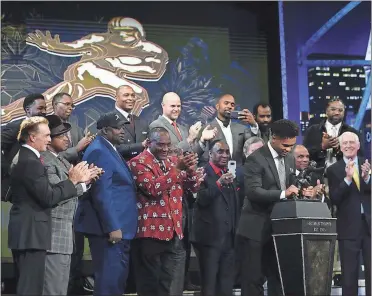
x=58 y=259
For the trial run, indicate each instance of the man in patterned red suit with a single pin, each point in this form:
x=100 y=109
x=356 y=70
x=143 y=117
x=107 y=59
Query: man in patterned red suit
x=161 y=183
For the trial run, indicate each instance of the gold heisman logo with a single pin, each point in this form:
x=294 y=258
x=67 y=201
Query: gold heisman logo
x=108 y=60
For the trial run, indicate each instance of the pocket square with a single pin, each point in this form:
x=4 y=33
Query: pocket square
x=144 y=133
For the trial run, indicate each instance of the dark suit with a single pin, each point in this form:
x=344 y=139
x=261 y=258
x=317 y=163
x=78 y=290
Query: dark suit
x=353 y=227
x=216 y=217
x=183 y=144
x=240 y=134
x=29 y=230
x=9 y=147
x=262 y=190
x=135 y=134
x=111 y=206
x=313 y=142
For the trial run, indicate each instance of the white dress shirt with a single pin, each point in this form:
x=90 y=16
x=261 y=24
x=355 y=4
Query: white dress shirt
x=122 y=112
x=275 y=155
x=332 y=130
x=227 y=133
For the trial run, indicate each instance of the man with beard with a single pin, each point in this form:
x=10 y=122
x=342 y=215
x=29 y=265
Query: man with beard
x=321 y=139
x=233 y=133
x=261 y=121
x=34 y=105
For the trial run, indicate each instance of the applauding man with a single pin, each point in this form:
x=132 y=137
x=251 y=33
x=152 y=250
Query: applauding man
x=161 y=184
x=350 y=190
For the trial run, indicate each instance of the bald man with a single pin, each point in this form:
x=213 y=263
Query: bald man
x=234 y=133
x=183 y=138
x=137 y=129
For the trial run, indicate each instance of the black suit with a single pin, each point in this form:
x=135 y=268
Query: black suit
x=9 y=147
x=135 y=134
x=262 y=190
x=313 y=142
x=216 y=217
x=29 y=230
x=353 y=228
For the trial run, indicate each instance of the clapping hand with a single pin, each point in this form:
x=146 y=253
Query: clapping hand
x=349 y=170
x=208 y=134
x=366 y=170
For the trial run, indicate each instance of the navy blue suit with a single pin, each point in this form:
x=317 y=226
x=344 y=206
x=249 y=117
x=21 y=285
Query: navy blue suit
x=110 y=205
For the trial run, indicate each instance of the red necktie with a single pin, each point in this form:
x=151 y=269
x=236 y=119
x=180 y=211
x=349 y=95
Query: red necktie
x=41 y=160
x=177 y=131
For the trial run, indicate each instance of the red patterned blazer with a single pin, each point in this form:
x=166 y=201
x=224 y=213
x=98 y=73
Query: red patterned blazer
x=159 y=196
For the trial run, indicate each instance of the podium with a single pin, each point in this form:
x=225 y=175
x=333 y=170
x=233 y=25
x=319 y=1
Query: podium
x=304 y=235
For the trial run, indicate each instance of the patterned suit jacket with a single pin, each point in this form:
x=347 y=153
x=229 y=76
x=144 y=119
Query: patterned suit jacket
x=159 y=196
x=63 y=214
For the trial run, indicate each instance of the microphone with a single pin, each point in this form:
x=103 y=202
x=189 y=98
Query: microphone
x=312 y=167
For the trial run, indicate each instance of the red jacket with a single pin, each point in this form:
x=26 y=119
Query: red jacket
x=159 y=196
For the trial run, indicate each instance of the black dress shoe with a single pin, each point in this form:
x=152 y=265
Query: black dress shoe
x=191 y=287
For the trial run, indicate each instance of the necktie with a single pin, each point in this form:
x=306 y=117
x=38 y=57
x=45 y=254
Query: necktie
x=130 y=119
x=281 y=172
x=356 y=177
x=177 y=131
x=41 y=160
x=64 y=164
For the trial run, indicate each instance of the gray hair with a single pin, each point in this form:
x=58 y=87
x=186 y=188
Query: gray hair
x=249 y=142
x=354 y=135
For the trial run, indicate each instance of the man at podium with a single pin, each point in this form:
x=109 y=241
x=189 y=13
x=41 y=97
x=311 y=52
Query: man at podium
x=268 y=177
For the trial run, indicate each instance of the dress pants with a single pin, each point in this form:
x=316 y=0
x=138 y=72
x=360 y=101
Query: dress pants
x=350 y=261
x=57 y=270
x=258 y=264
x=155 y=265
x=76 y=280
x=30 y=268
x=216 y=268
x=110 y=264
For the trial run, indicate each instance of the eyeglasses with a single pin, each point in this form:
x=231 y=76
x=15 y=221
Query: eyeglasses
x=67 y=105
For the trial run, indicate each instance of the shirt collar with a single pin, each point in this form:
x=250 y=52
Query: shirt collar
x=221 y=123
x=297 y=172
x=122 y=112
x=216 y=169
x=272 y=151
x=346 y=160
x=330 y=125
x=55 y=154
x=32 y=149
x=110 y=143
x=168 y=119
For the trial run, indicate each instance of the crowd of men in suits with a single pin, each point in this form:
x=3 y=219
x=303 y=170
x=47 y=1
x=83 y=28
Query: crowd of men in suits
x=143 y=193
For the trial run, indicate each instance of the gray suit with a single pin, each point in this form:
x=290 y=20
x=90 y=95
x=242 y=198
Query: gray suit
x=57 y=265
x=71 y=154
x=240 y=134
x=184 y=145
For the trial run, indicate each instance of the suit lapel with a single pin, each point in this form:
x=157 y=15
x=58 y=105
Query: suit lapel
x=215 y=177
x=267 y=154
x=235 y=137
x=220 y=134
x=127 y=126
x=169 y=126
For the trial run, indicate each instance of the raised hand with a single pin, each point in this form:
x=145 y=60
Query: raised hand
x=246 y=116
x=79 y=173
x=226 y=179
x=194 y=131
x=349 y=170
x=208 y=133
x=366 y=170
